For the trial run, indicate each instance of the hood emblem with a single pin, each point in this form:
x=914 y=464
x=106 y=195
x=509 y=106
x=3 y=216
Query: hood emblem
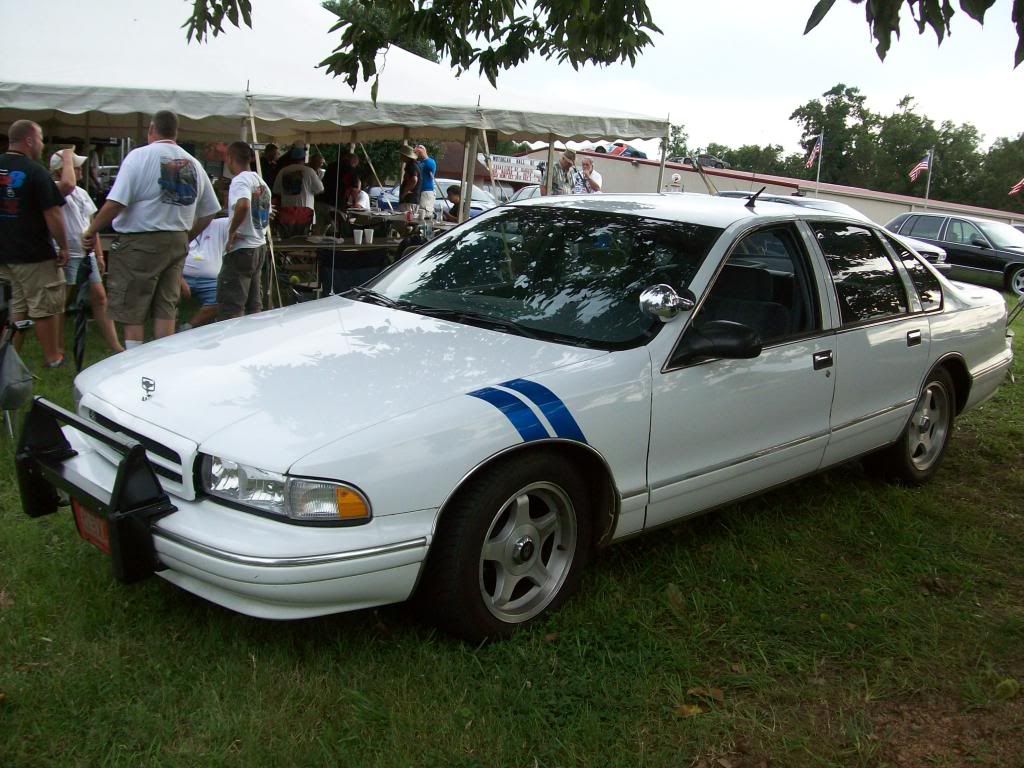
x=149 y=387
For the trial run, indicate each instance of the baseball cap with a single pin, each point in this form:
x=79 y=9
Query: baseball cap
x=57 y=162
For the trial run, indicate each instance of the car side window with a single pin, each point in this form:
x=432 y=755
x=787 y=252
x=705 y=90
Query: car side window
x=962 y=232
x=765 y=285
x=923 y=226
x=929 y=291
x=866 y=281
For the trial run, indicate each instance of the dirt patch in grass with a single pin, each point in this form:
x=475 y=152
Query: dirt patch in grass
x=939 y=733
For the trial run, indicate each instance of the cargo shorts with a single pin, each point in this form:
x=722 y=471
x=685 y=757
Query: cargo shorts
x=238 y=284
x=37 y=289
x=144 y=276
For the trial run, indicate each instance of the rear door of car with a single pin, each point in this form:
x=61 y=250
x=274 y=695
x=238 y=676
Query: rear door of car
x=881 y=342
x=722 y=429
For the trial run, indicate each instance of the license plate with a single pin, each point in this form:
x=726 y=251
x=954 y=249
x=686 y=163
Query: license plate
x=91 y=526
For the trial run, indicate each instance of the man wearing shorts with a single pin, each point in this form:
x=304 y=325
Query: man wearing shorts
x=238 y=285
x=161 y=199
x=30 y=215
x=78 y=212
x=427 y=168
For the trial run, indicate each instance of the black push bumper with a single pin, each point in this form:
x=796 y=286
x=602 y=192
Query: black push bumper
x=136 y=500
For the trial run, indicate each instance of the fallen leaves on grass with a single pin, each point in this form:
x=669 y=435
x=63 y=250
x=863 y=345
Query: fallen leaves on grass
x=1007 y=689
x=714 y=694
x=689 y=710
x=6 y=599
x=676 y=601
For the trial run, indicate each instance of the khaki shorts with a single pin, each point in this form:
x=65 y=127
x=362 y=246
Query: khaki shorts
x=144 y=276
x=37 y=290
x=238 y=284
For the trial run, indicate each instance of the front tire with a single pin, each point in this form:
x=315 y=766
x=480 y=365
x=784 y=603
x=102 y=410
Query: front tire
x=916 y=456
x=509 y=549
x=1015 y=279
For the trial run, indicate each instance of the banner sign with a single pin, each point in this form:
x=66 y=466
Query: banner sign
x=506 y=168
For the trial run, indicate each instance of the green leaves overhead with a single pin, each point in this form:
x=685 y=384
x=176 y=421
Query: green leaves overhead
x=883 y=17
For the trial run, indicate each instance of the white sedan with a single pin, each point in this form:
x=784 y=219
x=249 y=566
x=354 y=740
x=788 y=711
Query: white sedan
x=471 y=426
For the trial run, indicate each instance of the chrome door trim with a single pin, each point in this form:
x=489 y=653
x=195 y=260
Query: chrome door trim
x=875 y=414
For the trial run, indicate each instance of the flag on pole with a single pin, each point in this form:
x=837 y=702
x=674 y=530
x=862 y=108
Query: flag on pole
x=814 y=153
x=1017 y=188
x=921 y=167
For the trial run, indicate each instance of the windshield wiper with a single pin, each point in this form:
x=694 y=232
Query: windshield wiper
x=373 y=297
x=474 y=318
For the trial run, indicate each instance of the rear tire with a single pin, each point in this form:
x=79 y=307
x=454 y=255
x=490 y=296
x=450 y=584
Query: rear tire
x=916 y=456
x=509 y=549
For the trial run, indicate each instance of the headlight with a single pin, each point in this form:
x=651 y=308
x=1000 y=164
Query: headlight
x=296 y=498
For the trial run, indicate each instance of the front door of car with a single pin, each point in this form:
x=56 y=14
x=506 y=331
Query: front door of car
x=881 y=348
x=970 y=247
x=724 y=428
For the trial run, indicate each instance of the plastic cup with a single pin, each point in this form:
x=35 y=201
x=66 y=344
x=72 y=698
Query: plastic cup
x=357 y=236
x=368 y=236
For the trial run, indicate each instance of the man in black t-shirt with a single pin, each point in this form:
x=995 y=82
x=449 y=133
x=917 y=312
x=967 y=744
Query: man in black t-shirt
x=30 y=215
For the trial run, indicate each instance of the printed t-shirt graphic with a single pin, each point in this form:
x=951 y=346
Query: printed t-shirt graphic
x=178 y=183
x=10 y=181
x=291 y=181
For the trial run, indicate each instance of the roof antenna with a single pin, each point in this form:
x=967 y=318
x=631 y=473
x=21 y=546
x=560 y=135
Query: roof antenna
x=750 y=203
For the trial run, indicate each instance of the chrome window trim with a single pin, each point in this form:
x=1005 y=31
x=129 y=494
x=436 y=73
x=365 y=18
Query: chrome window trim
x=743 y=459
x=291 y=562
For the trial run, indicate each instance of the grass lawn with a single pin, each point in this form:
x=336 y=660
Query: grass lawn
x=838 y=621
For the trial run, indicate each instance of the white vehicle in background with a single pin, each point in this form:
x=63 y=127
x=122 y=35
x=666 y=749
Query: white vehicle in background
x=474 y=424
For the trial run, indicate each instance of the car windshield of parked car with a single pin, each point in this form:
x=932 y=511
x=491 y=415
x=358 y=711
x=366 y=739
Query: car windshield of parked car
x=567 y=275
x=1002 y=235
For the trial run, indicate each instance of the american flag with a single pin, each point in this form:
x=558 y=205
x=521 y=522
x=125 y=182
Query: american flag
x=814 y=153
x=1017 y=188
x=921 y=167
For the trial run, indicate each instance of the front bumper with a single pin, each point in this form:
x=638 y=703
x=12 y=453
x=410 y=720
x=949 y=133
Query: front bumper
x=248 y=563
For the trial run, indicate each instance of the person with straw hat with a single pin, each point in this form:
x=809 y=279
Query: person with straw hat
x=408 y=193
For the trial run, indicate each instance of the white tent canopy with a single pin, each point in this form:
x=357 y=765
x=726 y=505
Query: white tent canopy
x=129 y=58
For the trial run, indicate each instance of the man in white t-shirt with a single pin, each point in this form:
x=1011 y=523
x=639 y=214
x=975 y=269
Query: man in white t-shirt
x=202 y=267
x=78 y=211
x=296 y=182
x=356 y=197
x=161 y=199
x=591 y=178
x=238 y=284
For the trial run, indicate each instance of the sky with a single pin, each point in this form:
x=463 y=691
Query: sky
x=732 y=71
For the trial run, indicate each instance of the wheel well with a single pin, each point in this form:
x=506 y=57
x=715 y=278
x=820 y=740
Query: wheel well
x=604 y=500
x=957 y=370
x=1009 y=270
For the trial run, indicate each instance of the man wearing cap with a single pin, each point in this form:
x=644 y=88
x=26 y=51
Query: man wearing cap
x=161 y=199
x=296 y=182
x=78 y=212
x=30 y=215
x=427 y=168
x=565 y=178
x=408 y=192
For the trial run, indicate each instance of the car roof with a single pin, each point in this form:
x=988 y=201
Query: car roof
x=967 y=217
x=692 y=208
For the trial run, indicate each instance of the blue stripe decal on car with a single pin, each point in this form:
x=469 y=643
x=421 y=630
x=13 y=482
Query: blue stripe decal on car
x=518 y=412
x=551 y=406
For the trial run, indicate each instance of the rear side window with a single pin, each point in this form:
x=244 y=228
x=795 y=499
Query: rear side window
x=923 y=226
x=929 y=291
x=865 y=278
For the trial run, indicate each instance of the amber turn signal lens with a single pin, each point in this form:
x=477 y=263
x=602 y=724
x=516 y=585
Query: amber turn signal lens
x=351 y=506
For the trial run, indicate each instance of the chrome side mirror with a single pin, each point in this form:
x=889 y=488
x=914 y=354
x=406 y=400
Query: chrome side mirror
x=664 y=303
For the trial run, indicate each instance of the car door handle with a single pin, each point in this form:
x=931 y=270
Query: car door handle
x=913 y=338
x=822 y=359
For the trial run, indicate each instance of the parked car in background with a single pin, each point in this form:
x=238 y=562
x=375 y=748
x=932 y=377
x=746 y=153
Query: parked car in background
x=472 y=426
x=525 y=193
x=706 y=161
x=1019 y=226
x=481 y=201
x=983 y=249
x=933 y=253
x=620 y=149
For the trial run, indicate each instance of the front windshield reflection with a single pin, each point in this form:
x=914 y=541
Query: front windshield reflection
x=570 y=274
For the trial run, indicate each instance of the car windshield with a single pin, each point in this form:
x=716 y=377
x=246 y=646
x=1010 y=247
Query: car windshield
x=1002 y=235
x=566 y=275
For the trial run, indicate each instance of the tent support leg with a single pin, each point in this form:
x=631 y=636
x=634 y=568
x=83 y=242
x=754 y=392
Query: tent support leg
x=664 y=157
x=550 y=169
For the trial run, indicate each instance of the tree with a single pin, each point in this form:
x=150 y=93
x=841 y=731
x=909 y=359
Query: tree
x=1002 y=167
x=677 y=141
x=850 y=128
x=883 y=17
x=374 y=16
x=491 y=34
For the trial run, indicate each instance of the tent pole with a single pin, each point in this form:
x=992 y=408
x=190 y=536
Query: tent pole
x=463 y=190
x=467 y=198
x=490 y=164
x=369 y=162
x=270 y=237
x=85 y=149
x=549 y=171
x=664 y=157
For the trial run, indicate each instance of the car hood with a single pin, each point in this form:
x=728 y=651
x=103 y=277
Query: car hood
x=314 y=372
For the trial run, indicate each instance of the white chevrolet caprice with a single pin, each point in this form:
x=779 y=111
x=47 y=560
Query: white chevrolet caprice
x=470 y=426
